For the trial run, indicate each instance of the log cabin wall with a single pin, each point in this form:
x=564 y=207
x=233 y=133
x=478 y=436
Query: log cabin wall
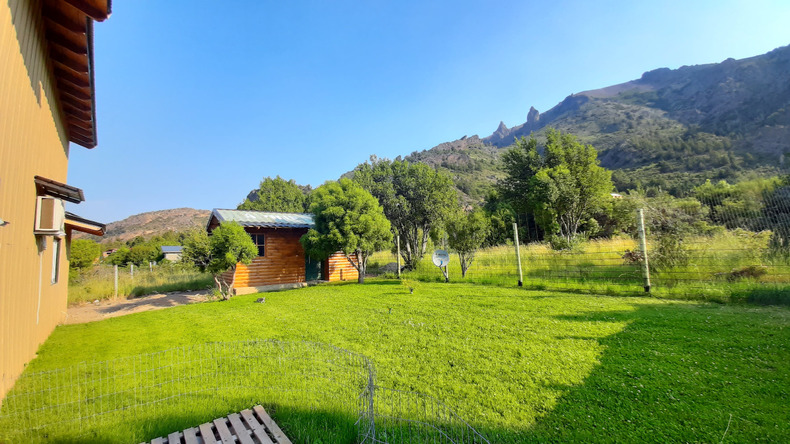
x=339 y=269
x=282 y=263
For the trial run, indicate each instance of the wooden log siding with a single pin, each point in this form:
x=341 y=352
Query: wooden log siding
x=339 y=269
x=283 y=262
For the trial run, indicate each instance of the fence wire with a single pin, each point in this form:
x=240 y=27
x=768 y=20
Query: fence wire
x=712 y=247
x=316 y=391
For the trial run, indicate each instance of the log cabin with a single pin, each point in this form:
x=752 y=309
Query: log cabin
x=281 y=261
x=47 y=103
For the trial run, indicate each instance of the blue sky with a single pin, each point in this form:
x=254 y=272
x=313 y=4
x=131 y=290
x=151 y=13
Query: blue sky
x=197 y=101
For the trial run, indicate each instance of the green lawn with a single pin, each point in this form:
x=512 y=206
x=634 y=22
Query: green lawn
x=520 y=366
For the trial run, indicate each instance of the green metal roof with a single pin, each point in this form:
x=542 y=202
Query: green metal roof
x=264 y=219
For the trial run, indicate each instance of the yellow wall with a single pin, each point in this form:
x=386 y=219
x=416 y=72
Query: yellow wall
x=32 y=142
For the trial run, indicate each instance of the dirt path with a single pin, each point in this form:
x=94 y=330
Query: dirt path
x=110 y=308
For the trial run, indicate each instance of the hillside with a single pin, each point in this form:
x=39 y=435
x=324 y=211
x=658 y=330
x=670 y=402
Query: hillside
x=152 y=223
x=670 y=128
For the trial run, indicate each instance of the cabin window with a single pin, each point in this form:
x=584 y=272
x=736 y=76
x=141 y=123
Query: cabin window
x=258 y=240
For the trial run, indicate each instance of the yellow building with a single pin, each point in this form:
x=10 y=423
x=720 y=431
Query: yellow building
x=46 y=102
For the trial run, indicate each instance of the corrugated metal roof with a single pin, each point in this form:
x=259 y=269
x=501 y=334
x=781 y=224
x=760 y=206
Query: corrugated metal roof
x=171 y=249
x=265 y=219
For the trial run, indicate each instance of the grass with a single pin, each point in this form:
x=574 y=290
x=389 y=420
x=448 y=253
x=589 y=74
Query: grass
x=520 y=366
x=99 y=282
x=598 y=267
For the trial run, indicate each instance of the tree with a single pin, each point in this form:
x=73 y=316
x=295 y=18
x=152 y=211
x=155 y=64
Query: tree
x=564 y=188
x=466 y=233
x=229 y=245
x=276 y=195
x=348 y=219
x=142 y=254
x=197 y=249
x=119 y=257
x=83 y=253
x=415 y=198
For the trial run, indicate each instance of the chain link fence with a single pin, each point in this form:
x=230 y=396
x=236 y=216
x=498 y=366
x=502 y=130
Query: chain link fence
x=704 y=248
x=315 y=391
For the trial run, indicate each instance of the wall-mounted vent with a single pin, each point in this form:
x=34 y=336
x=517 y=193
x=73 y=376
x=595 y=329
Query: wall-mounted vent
x=50 y=216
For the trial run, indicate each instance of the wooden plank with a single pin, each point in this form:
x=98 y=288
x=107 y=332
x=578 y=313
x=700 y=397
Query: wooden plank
x=256 y=427
x=174 y=438
x=271 y=425
x=207 y=433
x=241 y=432
x=190 y=435
x=224 y=433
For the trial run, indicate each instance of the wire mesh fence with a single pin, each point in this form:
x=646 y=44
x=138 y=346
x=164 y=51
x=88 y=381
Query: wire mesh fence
x=315 y=391
x=711 y=247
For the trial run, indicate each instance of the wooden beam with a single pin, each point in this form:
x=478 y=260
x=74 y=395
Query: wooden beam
x=75 y=65
x=73 y=91
x=87 y=126
x=65 y=41
x=69 y=76
x=59 y=17
x=72 y=111
x=92 y=9
x=79 y=104
x=87 y=143
x=80 y=132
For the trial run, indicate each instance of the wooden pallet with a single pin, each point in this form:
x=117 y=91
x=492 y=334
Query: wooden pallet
x=248 y=427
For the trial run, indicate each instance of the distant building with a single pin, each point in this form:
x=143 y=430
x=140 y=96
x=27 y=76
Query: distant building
x=46 y=102
x=172 y=253
x=281 y=261
x=616 y=196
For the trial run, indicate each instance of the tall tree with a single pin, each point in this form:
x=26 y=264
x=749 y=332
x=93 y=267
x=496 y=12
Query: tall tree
x=197 y=248
x=466 y=233
x=564 y=188
x=229 y=245
x=348 y=219
x=83 y=253
x=415 y=198
x=278 y=195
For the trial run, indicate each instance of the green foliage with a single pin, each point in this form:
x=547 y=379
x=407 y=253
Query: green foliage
x=466 y=233
x=119 y=257
x=564 y=187
x=277 y=195
x=142 y=254
x=197 y=249
x=348 y=219
x=83 y=253
x=230 y=245
x=415 y=199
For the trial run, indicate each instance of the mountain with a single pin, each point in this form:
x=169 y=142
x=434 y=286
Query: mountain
x=152 y=223
x=670 y=128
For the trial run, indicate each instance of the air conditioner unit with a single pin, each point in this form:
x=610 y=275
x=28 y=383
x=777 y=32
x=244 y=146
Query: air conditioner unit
x=50 y=216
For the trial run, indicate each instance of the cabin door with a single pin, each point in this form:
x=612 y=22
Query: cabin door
x=312 y=269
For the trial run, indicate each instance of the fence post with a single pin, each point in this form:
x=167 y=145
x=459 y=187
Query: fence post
x=132 y=271
x=398 y=257
x=116 y=281
x=643 y=247
x=518 y=255
x=150 y=266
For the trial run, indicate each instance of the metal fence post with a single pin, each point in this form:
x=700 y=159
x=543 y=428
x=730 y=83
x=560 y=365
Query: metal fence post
x=116 y=281
x=518 y=255
x=132 y=271
x=643 y=247
x=398 y=257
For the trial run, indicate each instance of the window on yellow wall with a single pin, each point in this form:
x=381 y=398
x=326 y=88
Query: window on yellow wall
x=55 y=259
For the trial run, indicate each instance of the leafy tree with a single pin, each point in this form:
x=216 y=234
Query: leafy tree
x=142 y=254
x=348 y=219
x=466 y=233
x=564 y=187
x=229 y=245
x=415 y=198
x=83 y=253
x=119 y=257
x=277 y=195
x=197 y=249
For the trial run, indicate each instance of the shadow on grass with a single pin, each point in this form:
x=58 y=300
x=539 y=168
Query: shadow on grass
x=675 y=373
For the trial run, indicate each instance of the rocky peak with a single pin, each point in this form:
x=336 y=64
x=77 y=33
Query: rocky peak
x=533 y=116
